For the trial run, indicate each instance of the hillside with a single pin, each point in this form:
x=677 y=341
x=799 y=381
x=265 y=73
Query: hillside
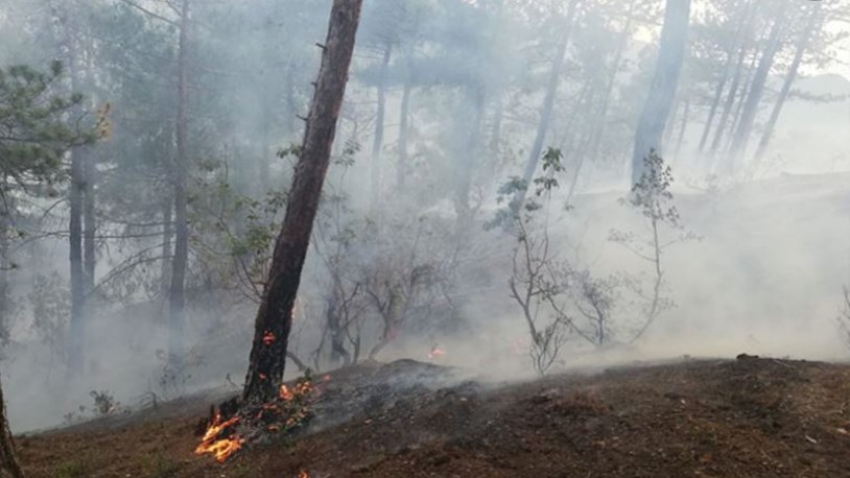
x=709 y=418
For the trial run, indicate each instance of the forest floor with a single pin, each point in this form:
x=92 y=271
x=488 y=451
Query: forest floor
x=747 y=417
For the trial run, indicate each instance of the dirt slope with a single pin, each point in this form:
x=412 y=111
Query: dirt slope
x=706 y=418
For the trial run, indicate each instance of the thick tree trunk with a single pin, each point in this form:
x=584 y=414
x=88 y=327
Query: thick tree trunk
x=274 y=318
x=674 y=38
x=378 y=140
x=177 y=299
x=75 y=240
x=683 y=126
x=671 y=122
x=9 y=467
x=812 y=25
x=336 y=327
x=89 y=223
x=748 y=114
x=548 y=105
x=7 y=211
x=167 y=238
x=78 y=296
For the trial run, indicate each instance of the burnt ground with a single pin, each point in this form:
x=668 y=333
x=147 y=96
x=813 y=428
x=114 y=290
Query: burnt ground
x=698 y=418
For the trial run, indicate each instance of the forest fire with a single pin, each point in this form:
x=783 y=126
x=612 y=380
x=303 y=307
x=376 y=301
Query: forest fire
x=221 y=448
x=287 y=413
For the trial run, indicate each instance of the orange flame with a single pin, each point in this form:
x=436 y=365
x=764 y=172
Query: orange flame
x=285 y=393
x=300 y=389
x=222 y=443
x=303 y=474
x=220 y=448
x=268 y=339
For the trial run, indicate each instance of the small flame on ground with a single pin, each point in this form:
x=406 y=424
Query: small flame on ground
x=300 y=389
x=220 y=448
x=221 y=442
x=303 y=474
x=285 y=393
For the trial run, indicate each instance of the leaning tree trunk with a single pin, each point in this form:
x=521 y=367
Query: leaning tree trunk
x=9 y=467
x=742 y=97
x=548 y=106
x=748 y=115
x=811 y=27
x=274 y=318
x=729 y=104
x=718 y=94
x=741 y=36
x=176 y=297
x=653 y=118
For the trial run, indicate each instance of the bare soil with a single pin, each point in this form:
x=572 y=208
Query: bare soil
x=748 y=417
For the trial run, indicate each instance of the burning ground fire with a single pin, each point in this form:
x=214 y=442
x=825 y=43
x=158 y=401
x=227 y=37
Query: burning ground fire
x=227 y=435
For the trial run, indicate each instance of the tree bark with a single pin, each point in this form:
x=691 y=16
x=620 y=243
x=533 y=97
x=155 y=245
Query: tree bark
x=683 y=125
x=748 y=114
x=167 y=238
x=671 y=121
x=76 y=337
x=811 y=27
x=674 y=38
x=78 y=297
x=177 y=299
x=274 y=317
x=9 y=467
x=7 y=212
x=89 y=223
x=548 y=105
x=378 y=141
